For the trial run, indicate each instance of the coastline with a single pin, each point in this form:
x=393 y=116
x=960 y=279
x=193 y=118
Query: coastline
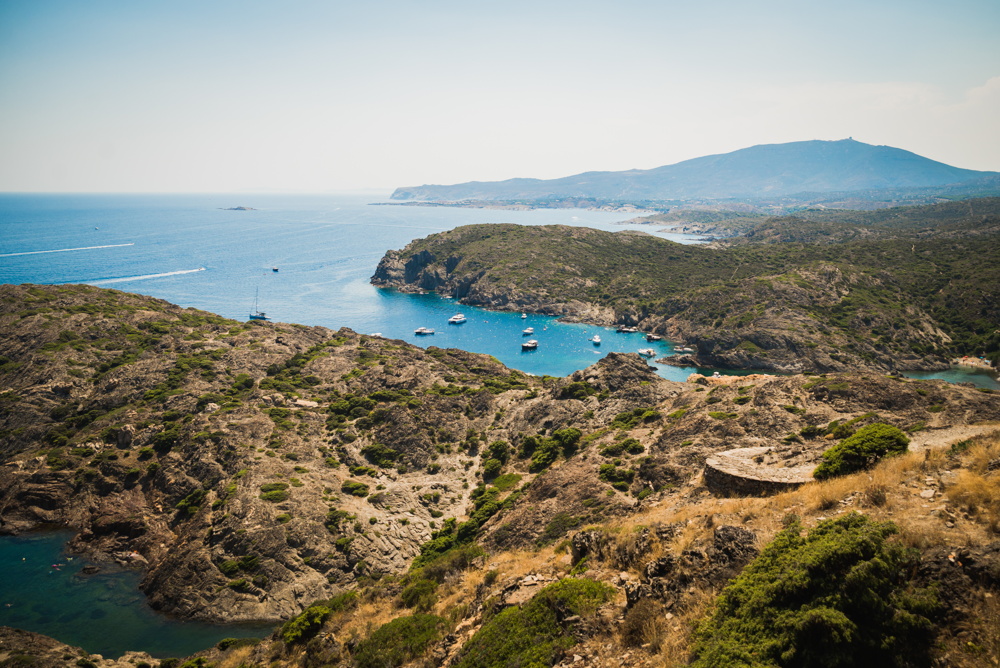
x=974 y=363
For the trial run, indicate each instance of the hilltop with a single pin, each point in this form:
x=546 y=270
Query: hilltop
x=253 y=469
x=759 y=172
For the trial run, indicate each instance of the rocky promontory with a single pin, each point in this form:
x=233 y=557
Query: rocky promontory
x=771 y=307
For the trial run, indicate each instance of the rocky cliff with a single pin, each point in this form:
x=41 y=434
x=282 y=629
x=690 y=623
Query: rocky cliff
x=249 y=469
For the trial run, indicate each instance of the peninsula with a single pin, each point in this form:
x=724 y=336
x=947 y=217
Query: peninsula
x=887 y=291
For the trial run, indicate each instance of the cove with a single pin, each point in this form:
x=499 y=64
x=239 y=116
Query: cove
x=43 y=590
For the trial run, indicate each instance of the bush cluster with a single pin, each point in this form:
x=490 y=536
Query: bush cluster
x=861 y=451
x=836 y=598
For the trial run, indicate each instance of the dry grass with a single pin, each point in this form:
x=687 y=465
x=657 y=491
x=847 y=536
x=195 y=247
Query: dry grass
x=978 y=495
x=675 y=642
x=889 y=491
x=367 y=617
x=235 y=658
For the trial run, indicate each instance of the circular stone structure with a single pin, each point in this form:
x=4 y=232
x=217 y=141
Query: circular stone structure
x=747 y=472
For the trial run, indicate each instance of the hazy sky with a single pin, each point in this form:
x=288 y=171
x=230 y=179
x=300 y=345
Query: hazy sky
x=179 y=96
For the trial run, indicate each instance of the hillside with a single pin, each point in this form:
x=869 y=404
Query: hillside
x=255 y=468
x=765 y=171
x=905 y=294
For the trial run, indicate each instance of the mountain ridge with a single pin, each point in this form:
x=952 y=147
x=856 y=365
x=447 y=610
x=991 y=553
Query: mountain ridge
x=764 y=170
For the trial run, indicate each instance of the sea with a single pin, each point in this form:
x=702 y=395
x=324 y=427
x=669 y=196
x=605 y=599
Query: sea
x=300 y=258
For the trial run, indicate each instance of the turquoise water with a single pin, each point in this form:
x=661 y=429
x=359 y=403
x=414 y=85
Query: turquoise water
x=960 y=374
x=42 y=590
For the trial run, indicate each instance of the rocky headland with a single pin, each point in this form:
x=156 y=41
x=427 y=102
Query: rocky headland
x=880 y=305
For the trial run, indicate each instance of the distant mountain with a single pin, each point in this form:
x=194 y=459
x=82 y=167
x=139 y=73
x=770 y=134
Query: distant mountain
x=765 y=171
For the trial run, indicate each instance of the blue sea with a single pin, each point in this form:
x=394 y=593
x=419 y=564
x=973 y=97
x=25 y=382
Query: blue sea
x=192 y=251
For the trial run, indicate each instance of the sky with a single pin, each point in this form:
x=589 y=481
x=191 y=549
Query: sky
x=331 y=96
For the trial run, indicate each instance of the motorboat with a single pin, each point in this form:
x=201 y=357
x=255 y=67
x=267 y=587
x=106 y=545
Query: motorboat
x=456 y=319
x=647 y=352
x=622 y=329
x=420 y=331
x=528 y=332
x=531 y=344
x=653 y=337
x=684 y=349
x=523 y=316
x=596 y=340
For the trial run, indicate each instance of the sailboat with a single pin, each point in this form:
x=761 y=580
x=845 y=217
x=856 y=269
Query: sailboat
x=257 y=314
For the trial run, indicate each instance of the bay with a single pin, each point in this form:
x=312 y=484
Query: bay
x=43 y=590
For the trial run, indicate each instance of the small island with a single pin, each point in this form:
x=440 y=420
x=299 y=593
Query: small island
x=239 y=208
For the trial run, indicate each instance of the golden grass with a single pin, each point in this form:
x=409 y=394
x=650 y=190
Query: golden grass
x=675 y=641
x=235 y=658
x=978 y=495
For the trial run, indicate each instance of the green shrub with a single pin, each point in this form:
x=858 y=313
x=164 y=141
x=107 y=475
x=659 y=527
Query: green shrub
x=862 y=450
x=398 y=642
x=275 y=496
x=229 y=643
x=381 y=455
x=305 y=625
x=558 y=526
x=544 y=455
x=507 y=481
x=534 y=634
x=577 y=390
x=492 y=468
x=191 y=503
x=836 y=598
x=419 y=594
x=273 y=486
x=354 y=488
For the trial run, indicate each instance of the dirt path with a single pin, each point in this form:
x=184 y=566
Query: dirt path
x=938 y=438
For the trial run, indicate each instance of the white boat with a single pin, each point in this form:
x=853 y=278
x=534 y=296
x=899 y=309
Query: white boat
x=529 y=345
x=528 y=332
x=456 y=319
x=623 y=329
x=647 y=352
x=685 y=349
x=257 y=314
x=596 y=340
x=523 y=316
x=653 y=337
x=423 y=330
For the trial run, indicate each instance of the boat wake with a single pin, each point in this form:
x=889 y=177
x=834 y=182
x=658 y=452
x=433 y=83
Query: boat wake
x=126 y=279
x=65 y=250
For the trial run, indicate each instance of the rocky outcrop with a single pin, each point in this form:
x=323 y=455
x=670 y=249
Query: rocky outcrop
x=754 y=472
